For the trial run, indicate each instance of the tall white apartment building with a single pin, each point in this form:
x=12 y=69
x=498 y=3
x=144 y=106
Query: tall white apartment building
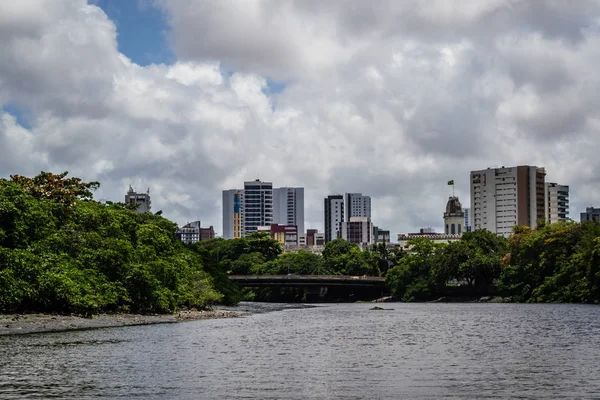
x=233 y=213
x=504 y=197
x=334 y=214
x=357 y=205
x=258 y=205
x=556 y=202
x=288 y=207
x=467 y=211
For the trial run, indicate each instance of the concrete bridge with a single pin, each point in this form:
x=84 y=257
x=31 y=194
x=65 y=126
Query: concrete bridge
x=318 y=287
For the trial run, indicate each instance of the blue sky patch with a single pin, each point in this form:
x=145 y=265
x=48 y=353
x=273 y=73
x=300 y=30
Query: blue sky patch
x=18 y=113
x=141 y=30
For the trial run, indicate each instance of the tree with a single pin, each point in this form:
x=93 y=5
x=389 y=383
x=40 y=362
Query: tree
x=261 y=242
x=57 y=187
x=413 y=278
x=95 y=257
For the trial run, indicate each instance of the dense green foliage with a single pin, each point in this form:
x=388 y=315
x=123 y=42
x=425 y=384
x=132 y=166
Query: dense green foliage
x=553 y=263
x=425 y=272
x=61 y=251
x=259 y=254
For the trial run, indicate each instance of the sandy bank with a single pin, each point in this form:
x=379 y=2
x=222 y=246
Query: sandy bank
x=11 y=324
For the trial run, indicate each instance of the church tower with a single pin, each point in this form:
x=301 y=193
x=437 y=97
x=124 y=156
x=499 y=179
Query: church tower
x=454 y=217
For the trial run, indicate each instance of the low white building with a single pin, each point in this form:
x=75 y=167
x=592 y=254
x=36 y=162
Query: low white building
x=439 y=238
x=190 y=233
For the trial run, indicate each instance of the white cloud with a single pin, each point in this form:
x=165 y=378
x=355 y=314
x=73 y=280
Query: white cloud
x=389 y=98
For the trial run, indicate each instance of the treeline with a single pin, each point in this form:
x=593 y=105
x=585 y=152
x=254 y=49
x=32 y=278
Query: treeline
x=60 y=251
x=259 y=254
x=553 y=263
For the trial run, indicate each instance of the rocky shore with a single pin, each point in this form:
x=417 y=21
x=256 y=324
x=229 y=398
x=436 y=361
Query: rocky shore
x=11 y=324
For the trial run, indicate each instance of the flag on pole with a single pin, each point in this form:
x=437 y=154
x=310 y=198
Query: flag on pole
x=451 y=182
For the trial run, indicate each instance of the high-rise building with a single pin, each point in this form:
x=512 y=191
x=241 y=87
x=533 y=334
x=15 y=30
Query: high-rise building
x=334 y=214
x=467 y=211
x=504 y=197
x=357 y=205
x=590 y=214
x=142 y=200
x=288 y=207
x=258 y=205
x=454 y=217
x=233 y=213
x=556 y=202
x=357 y=230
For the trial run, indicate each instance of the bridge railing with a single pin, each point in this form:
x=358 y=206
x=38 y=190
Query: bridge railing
x=307 y=277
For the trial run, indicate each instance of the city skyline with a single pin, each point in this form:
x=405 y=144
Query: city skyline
x=376 y=100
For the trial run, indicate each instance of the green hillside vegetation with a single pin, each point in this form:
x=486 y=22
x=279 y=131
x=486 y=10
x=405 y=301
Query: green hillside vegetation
x=60 y=251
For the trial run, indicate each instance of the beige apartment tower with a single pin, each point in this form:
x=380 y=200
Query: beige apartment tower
x=504 y=197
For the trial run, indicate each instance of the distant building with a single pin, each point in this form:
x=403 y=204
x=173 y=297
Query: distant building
x=312 y=237
x=504 y=197
x=142 y=200
x=357 y=205
x=193 y=232
x=434 y=237
x=287 y=235
x=189 y=233
x=288 y=206
x=454 y=217
x=467 y=211
x=258 y=205
x=207 y=233
x=233 y=213
x=556 y=202
x=334 y=214
x=590 y=214
x=380 y=235
x=358 y=230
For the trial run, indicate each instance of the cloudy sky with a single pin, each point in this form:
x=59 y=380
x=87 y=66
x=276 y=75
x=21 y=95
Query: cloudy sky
x=388 y=98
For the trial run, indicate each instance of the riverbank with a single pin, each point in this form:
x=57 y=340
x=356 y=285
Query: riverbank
x=14 y=324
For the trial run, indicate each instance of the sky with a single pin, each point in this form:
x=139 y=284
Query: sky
x=388 y=98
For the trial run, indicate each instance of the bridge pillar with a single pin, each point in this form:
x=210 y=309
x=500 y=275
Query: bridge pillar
x=315 y=292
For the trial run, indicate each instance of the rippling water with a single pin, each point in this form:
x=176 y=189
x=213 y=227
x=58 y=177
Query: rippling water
x=416 y=351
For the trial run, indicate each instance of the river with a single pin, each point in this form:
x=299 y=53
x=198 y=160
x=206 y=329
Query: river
x=335 y=351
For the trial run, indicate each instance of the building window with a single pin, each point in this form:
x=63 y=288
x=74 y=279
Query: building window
x=453 y=229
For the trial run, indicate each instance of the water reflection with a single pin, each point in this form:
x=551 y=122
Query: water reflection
x=416 y=351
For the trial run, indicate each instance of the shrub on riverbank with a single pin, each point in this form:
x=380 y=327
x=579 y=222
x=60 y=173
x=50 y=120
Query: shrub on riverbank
x=60 y=251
